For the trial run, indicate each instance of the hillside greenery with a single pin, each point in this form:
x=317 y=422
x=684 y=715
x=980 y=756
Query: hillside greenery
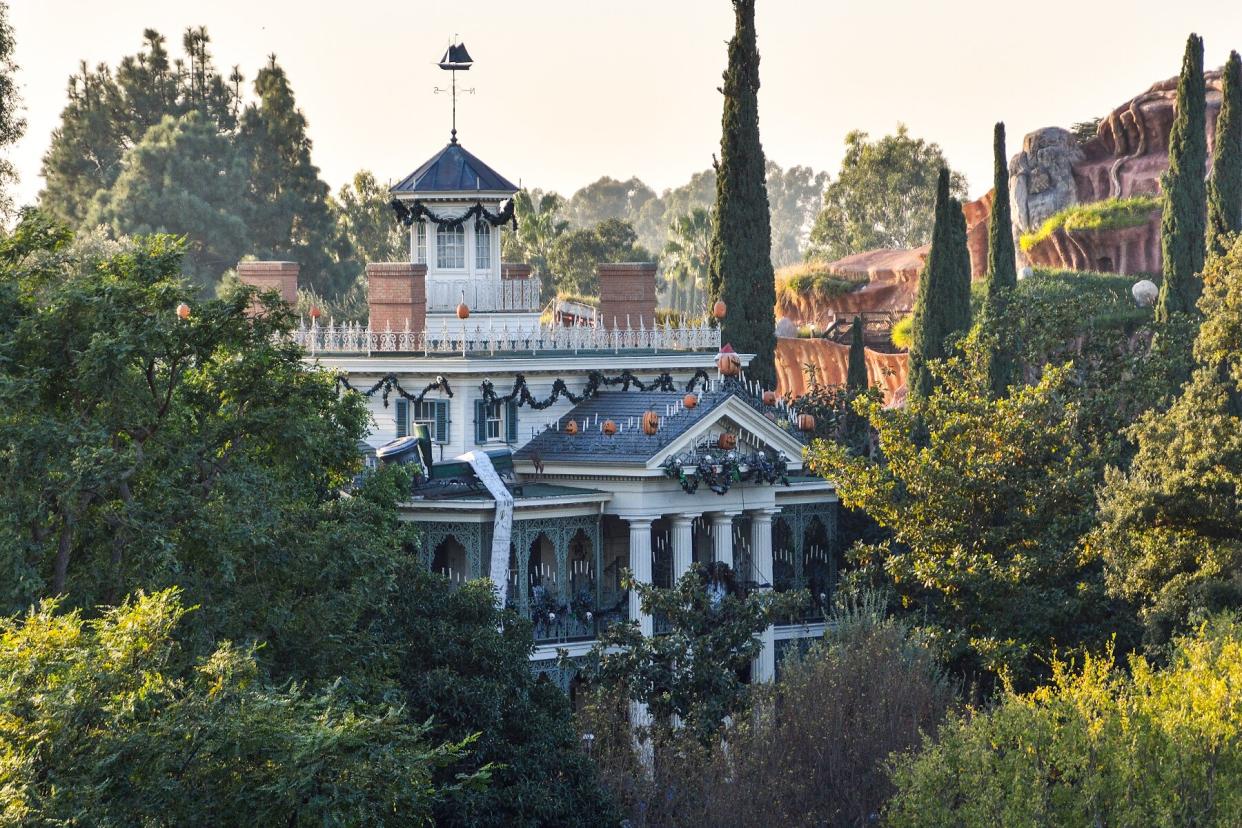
x=1109 y=214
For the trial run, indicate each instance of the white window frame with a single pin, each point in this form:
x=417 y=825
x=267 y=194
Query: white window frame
x=451 y=248
x=424 y=413
x=494 y=414
x=482 y=247
x=420 y=242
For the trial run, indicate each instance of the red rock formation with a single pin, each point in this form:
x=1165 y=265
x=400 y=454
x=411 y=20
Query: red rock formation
x=831 y=361
x=978 y=218
x=1132 y=250
x=890 y=279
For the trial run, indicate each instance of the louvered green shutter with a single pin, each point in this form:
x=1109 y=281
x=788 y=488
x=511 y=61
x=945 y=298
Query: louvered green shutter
x=403 y=417
x=511 y=422
x=480 y=422
x=441 y=435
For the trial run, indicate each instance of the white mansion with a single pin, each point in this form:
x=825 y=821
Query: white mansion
x=619 y=444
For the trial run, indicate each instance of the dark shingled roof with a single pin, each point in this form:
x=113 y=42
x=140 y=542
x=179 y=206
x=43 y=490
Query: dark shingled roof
x=629 y=445
x=451 y=170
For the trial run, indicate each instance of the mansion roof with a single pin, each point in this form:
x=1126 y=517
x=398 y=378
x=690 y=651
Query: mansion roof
x=454 y=170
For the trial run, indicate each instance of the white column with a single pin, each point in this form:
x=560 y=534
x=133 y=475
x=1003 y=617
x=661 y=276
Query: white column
x=640 y=566
x=763 y=668
x=683 y=545
x=722 y=536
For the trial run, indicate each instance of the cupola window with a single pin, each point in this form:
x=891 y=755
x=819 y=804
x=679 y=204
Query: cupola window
x=451 y=248
x=482 y=247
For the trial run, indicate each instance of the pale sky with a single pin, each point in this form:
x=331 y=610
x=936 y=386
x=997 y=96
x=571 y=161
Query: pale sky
x=569 y=90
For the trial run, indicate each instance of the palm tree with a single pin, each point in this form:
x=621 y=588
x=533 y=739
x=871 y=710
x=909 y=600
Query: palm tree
x=685 y=260
x=539 y=226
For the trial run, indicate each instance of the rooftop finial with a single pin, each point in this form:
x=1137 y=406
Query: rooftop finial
x=455 y=59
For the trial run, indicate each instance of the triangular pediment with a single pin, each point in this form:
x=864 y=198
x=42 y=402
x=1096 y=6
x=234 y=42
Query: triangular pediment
x=751 y=431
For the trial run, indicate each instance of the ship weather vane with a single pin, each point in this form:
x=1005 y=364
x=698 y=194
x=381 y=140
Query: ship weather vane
x=456 y=59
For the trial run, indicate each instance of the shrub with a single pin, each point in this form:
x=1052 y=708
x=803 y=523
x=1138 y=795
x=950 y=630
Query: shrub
x=1109 y=214
x=1094 y=747
x=902 y=333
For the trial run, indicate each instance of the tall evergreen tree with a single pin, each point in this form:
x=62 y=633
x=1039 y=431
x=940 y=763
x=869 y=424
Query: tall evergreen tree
x=1225 y=187
x=290 y=215
x=1183 y=225
x=856 y=375
x=942 y=304
x=1002 y=271
x=741 y=251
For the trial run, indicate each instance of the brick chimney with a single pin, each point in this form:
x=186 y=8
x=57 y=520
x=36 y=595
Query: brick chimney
x=281 y=277
x=397 y=295
x=627 y=289
x=513 y=270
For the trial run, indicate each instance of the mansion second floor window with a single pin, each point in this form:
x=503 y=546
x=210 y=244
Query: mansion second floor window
x=482 y=247
x=451 y=248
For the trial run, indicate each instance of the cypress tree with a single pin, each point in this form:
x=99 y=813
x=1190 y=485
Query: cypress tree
x=856 y=376
x=1224 y=209
x=741 y=247
x=942 y=304
x=1183 y=224
x=1002 y=275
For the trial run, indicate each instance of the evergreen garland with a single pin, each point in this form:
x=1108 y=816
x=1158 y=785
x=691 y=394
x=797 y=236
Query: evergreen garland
x=388 y=384
x=740 y=270
x=1224 y=215
x=595 y=380
x=1002 y=276
x=1183 y=223
x=414 y=211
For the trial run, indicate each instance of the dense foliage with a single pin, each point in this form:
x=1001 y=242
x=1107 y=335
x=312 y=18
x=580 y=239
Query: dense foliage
x=576 y=253
x=101 y=723
x=740 y=272
x=1184 y=213
x=942 y=303
x=1106 y=214
x=1097 y=746
x=1171 y=525
x=1002 y=273
x=12 y=125
x=883 y=197
x=686 y=256
x=1224 y=189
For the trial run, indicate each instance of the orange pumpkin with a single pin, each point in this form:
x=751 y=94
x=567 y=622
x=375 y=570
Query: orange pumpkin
x=727 y=441
x=183 y=311
x=806 y=422
x=463 y=310
x=651 y=423
x=769 y=398
x=315 y=313
x=730 y=364
x=690 y=401
x=571 y=427
x=719 y=309
x=609 y=427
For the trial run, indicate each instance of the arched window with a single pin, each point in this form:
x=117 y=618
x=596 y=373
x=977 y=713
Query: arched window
x=482 y=247
x=451 y=248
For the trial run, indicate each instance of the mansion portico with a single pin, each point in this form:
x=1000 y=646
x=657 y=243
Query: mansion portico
x=616 y=443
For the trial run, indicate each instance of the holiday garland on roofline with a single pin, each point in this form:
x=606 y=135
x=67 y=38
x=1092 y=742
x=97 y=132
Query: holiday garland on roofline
x=388 y=384
x=414 y=211
x=595 y=380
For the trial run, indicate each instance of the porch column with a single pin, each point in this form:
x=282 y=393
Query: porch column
x=763 y=668
x=640 y=565
x=722 y=536
x=683 y=544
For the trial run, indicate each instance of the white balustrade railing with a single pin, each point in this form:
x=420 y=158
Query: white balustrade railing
x=487 y=338
x=513 y=295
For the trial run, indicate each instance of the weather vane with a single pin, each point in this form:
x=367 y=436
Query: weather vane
x=455 y=59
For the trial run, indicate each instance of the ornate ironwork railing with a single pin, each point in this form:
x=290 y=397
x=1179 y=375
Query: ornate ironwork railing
x=487 y=338
x=514 y=295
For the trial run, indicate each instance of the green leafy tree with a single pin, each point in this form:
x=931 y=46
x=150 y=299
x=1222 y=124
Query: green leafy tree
x=687 y=254
x=575 y=254
x=539 y=226
x=1225 y=187
x=607 y=198
x=1097 y=746
x=12 y=125
x=1184 y=218
x=183 y=178
x=104 y=725
x=655 y=215
x=986 y=500
x=1002 y=275
x=695 y=670
x=883 y=197
x=795 y=196
x=741 y=262
x=942 y=303
x=289 y=213
x=371 y=230
x=1171 y=525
